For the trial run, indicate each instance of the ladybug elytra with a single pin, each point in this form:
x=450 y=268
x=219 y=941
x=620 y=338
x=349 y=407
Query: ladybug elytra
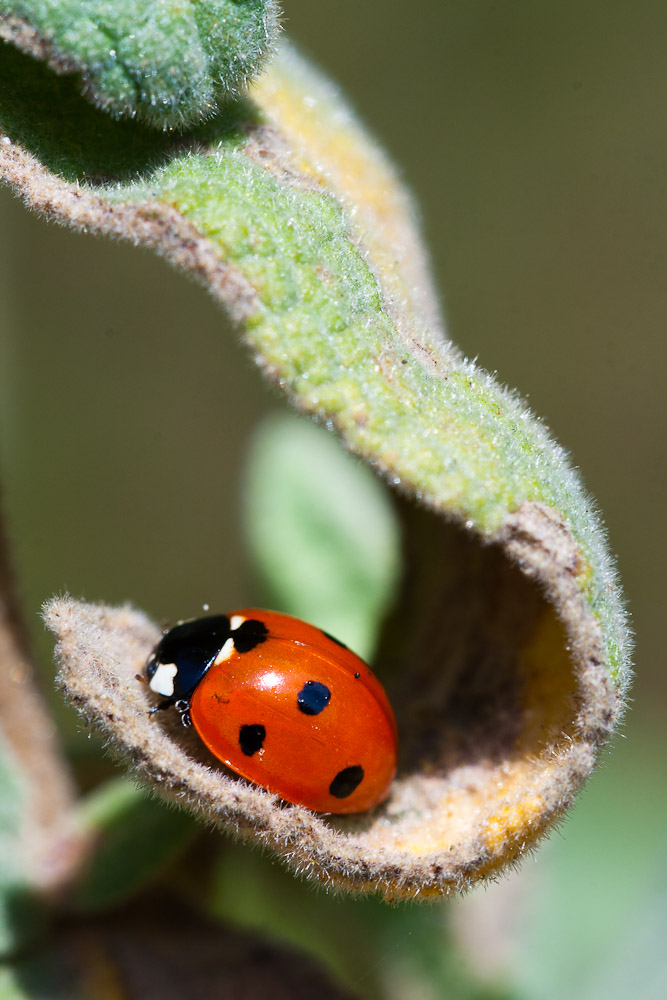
x=283 y=704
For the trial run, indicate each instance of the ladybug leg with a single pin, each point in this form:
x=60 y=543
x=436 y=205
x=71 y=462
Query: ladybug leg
x=183 y=709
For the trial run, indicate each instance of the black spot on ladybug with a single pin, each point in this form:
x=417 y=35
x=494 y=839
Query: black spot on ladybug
x=251 y=739
x=249 y=634
x=313 y=698
x=346 y=781
x=357 y=676
x=334 y=639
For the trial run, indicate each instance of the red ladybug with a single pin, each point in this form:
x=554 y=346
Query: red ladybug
x=283 y=704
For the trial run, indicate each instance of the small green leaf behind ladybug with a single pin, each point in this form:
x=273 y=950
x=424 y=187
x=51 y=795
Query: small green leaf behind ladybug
x=322 y=531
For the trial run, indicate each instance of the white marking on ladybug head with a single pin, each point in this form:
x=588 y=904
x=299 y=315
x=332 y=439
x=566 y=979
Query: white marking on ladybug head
x=225 y=652
x=162 y=681
x=235 y=621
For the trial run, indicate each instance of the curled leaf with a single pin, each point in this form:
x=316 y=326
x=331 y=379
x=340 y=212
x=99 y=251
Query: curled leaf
x=166 y=62
x=508 y=652
x=490 y=757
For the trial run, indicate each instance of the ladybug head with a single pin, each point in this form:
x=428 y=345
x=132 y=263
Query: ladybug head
x=184 y=654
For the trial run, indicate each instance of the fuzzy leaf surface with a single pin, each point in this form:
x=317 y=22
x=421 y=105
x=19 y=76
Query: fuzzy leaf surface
x=167 y=62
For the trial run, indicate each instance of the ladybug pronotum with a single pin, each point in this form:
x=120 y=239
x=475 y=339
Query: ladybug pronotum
x=283 y=704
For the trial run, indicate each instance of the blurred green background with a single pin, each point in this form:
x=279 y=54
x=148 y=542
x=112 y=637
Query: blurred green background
x=533 y=137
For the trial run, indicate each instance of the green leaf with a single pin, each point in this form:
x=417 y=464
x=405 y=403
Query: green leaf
x=136 y=835
x=322 y=531
x=167 y=62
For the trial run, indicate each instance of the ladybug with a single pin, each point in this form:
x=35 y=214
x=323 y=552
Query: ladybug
x=283 y=704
